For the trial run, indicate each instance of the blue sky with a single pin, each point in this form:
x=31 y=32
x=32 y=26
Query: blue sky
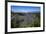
x=25 y=9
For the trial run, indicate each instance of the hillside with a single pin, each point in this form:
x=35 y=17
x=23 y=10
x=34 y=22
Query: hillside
x=21 y=20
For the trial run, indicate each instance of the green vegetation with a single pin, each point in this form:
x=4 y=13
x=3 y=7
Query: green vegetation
x=16 y=23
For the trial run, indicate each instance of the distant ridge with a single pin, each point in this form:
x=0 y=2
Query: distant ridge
x=26 y=12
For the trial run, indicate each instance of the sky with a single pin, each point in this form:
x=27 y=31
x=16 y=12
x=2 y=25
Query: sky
x=25 y=9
